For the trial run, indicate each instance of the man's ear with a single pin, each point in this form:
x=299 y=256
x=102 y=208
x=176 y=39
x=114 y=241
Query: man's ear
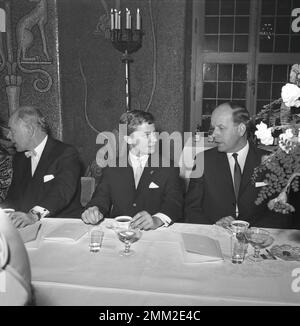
x=31 y=129
x=128 y=140
x=242 y=129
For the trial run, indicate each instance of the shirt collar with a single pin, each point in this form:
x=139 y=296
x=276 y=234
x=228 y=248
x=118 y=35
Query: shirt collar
x=137 y=160
x=39 y=148
x=242 y=153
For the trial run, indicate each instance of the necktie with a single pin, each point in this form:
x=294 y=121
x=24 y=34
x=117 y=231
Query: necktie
x=237 y=176
x=30 y=153
x=138 y=173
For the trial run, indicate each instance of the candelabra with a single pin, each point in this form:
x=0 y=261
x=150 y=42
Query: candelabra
x=127 y=41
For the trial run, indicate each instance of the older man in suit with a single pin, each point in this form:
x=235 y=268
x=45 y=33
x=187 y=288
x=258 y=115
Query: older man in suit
x=225 y=191
x=46 y=172
x=152 y=195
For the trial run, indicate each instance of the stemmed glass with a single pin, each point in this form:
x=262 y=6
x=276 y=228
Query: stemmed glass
x=259 y=239
x=128 y=236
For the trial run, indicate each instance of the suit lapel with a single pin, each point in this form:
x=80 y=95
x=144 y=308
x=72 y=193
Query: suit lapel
x=146 y=177
x=223 y=172
x=252 y=161
x=44 y=160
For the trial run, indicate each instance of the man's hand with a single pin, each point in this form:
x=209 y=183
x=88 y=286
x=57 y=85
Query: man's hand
x=144 y=221
x=225 y=222
x=92 y=215
x=20 y=219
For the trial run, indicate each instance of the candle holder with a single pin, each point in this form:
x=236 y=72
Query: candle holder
x=126 y=41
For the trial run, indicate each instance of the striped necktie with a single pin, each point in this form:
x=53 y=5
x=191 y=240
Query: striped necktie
x=237 y=176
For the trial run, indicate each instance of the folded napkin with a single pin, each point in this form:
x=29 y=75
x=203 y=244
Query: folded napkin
x=67 y=232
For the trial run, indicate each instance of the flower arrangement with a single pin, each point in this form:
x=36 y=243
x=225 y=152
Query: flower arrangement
x=281 y=168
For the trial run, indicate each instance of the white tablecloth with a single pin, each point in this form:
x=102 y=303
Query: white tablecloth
x=66 y=273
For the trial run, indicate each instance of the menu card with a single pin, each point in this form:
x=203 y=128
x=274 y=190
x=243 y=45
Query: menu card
x=199 y=248
x=67 y=232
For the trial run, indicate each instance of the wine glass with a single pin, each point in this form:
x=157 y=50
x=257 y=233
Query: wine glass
x=258 y=238
x=128 y=236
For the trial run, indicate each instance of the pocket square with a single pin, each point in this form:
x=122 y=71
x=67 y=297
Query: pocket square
x=48 y=177
x=260 y=184
x=153 y=185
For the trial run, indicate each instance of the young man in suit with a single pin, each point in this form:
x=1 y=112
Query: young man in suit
x=46 y=172
x=151 y=195
x=225 y=191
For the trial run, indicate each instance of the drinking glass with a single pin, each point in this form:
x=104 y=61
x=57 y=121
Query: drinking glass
x=128 y=236
x=259 y=239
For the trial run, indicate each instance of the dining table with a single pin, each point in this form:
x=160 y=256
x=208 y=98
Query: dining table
x=65 y=272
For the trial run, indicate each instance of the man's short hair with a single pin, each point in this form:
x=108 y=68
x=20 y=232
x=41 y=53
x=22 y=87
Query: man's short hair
x=135 y=118
x=31 y=115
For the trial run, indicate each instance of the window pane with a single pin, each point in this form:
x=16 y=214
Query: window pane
x=239 y=90
x=283 y=25
x=282 y=43
x=284 y=7
x=226 y=26
x=239 y=72
x=226 y=43
x=264 y=73
x=243 y=7
x=225 y=72
x=242 y=25
x=268 y=7
x=263 y=90
x=208 y=106
x=224 y=90
x=241 y=43
x=209 y=90
x=279 y=72
x=211 y=43
x=212 y=7
x=295 y=43
x=276 y=90
x=227 y=7
x=210 y=71
x=211 y=25
x=266 y=44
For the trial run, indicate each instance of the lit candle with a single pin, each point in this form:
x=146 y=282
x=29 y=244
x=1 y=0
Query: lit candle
x=138 y=19
x=112 y=26
x=119 y=20
x=116 y=19
x=127 y=18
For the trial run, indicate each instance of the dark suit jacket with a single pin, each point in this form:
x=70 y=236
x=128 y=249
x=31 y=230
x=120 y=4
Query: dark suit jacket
x=61 y=195
x=116 y=193
x=212 y=197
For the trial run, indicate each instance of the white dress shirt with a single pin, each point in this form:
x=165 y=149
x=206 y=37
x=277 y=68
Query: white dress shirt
x=36 y=158
x=136 y=162
x=241 y=158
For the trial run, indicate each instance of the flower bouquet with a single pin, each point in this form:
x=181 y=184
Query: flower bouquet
x=281 y=168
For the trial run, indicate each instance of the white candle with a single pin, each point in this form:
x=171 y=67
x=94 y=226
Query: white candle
x=138 y=19
x=127 y=18
x=112 y=26
x=119 y=20
x=116 y=19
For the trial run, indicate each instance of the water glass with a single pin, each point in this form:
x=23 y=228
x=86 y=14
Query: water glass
x=239 y=243
x=96 y=237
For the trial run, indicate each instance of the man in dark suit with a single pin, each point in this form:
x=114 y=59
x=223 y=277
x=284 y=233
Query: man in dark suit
x=225 y=191
x=152 y=195
x=46 y=172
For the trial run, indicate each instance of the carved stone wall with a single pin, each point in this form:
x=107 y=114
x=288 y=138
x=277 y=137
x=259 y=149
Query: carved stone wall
x=29 y=71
